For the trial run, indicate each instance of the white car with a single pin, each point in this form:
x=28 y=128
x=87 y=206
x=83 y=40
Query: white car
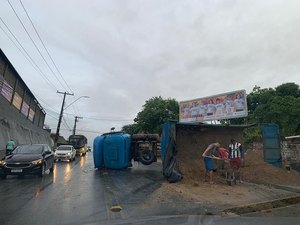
x=65 y=152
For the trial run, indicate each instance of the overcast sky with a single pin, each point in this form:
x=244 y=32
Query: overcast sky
x=121 y=53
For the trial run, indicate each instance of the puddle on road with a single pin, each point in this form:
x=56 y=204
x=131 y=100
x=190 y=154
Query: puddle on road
x=116 y=208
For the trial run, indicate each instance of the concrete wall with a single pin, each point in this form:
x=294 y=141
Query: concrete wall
x=15 y=125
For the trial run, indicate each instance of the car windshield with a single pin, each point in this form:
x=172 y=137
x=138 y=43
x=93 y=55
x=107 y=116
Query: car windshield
x=29 y=149
x=64 y=148
x=76 y=142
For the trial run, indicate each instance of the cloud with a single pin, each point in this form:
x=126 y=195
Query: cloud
x=121 y=53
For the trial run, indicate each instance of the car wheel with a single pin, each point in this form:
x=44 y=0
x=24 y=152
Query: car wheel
x=51 y=169
x=3 y=176
x=43 y=170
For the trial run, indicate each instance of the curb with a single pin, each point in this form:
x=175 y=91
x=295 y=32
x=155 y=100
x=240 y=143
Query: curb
x=263 y=206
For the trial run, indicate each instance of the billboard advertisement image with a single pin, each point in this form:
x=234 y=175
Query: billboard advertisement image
x=223 y=106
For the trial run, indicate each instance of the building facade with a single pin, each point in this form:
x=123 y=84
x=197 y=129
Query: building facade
x=16 y=93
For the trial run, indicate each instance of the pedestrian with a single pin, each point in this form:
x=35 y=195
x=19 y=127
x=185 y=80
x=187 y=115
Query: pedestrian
x=224 y=154
x=10 y=146
x=235 y=154
x=208 y=156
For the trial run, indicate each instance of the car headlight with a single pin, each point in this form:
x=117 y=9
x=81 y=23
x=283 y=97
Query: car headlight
x=37 y=162
x=2 y=162
x=69 y=153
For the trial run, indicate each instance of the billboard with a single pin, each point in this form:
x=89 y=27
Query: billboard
x=223 y=106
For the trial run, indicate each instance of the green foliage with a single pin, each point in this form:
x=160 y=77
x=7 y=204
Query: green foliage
x=280 y=105
x=288 y=89
x=282 y=110
x=251 y=134
x=156 y=111
x=131 y=128
x=267 y=105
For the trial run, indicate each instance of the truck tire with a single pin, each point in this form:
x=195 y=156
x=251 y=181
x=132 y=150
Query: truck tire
x=146 y=156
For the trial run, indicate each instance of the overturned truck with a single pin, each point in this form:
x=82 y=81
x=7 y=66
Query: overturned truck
x=116 y=150
x=182 y=145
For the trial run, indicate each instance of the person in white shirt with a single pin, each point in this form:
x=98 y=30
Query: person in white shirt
x=202 y=109
x=186 y=111
x=211 y=108
x=195 y=110
x=235 y=154
x=228 y=105
x=219 y=107
x=239 y=103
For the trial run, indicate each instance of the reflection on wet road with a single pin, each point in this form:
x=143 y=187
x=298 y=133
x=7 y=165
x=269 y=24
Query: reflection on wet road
x=66 y=195
x=76 y=193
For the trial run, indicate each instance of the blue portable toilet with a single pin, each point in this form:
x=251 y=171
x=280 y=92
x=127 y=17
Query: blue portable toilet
x=116 y=150
x=271 y=143
x=98 y=152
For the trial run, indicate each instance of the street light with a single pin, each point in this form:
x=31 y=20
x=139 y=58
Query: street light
x=84 y=96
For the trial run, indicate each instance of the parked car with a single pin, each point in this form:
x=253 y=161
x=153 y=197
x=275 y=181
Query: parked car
x=28 y=159
x=65 y=152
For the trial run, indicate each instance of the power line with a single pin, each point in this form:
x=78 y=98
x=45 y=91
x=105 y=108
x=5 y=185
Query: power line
x=37 y=48
x=88 y=131
x=44 y=46
x=49 y=107
x=48 y=114
x=65 y=122
x=36 y=67
x=94 y=118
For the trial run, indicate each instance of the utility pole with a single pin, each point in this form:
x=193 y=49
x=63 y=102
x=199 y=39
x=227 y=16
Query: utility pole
x=60 y=116
x=76 y=120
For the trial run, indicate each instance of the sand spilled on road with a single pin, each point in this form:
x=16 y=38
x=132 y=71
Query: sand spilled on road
x=255 y=170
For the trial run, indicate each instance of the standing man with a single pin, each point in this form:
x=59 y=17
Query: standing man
x=235 y=155
x=10 y=146
x=236 y=150
x=208 y=156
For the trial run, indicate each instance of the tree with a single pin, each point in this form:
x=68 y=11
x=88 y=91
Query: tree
x=280 y=105
x=131 y=128
x=288 y=89
x=156 y=111
x=282 y=110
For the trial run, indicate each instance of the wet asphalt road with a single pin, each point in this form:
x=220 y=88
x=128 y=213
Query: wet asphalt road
x=76 y=193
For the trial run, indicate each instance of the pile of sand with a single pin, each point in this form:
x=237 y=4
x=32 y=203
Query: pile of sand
x=255 y=170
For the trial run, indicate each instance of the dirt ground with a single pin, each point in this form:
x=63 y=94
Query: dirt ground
x=219 y=196
x=258 y=178
x=255 y=169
